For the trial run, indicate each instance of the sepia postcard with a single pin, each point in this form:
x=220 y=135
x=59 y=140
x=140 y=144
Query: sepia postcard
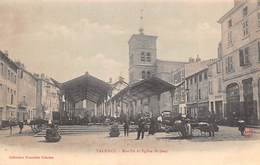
x=120 y=82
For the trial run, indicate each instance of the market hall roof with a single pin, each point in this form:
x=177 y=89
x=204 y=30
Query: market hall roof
x=144 y=88
x=86 y=87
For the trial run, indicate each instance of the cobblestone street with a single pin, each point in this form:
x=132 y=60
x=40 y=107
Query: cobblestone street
x=101 y=142
x=227 y=144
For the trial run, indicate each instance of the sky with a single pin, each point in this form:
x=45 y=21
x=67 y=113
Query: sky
x=65 y=38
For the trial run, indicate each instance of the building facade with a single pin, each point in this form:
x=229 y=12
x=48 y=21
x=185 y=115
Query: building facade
x=240 y=40
x=23 y=95
x=179 y=101
x=164 y=71
x=197 y=85
x=26 y=90
x=216 y=90
x=8 y=89
x=48 y=97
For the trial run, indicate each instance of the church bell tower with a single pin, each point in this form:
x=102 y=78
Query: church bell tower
x=142 y=55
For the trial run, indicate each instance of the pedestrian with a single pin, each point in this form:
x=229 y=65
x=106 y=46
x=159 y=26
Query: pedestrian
x=114 y=130
x=189 y=130
x=126 y=128
x=212 y=124
x=11 y=127
x=141 y=128
x=152 y=127
x=20 y=126
x=234 y=118
x=241 y=126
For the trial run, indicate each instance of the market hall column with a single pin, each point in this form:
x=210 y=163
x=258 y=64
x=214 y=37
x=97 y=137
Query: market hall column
x=158 y=104
x=142 y=107
x=135 y=107
x=172 y=97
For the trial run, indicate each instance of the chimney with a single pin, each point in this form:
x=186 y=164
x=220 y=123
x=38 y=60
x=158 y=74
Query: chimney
x=198 y=58
x=237 y=2
x=36 y=75
x=191 y=60
x=121 y=78
x=42 y=76
x=6 y=53
x=110 y=80
x=21 y=65
x=220 y=50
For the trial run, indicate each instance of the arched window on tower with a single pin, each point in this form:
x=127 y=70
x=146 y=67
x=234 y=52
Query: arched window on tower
x=143 y=74
x=148 y=57
x=142 y=57
x=148 y=74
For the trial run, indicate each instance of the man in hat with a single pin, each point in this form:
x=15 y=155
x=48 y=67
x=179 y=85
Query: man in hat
x=141 y=128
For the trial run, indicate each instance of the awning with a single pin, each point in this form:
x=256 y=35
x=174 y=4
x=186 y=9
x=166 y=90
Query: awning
x=143 y=89
x=86 y=87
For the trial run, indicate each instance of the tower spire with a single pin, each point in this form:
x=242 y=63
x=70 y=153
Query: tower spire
x=141 y=30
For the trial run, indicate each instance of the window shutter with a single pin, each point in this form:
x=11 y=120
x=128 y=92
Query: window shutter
x=143 y=74
x=247 y=61
x=241 y=57
x=226 y=65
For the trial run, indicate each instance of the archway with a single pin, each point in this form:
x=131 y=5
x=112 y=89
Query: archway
x=233 y=101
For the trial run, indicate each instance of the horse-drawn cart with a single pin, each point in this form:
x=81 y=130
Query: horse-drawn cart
x=205 y=127
x=185 y=128
x=38 y=125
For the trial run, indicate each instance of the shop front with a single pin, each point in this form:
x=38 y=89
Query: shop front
x=233 y=102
